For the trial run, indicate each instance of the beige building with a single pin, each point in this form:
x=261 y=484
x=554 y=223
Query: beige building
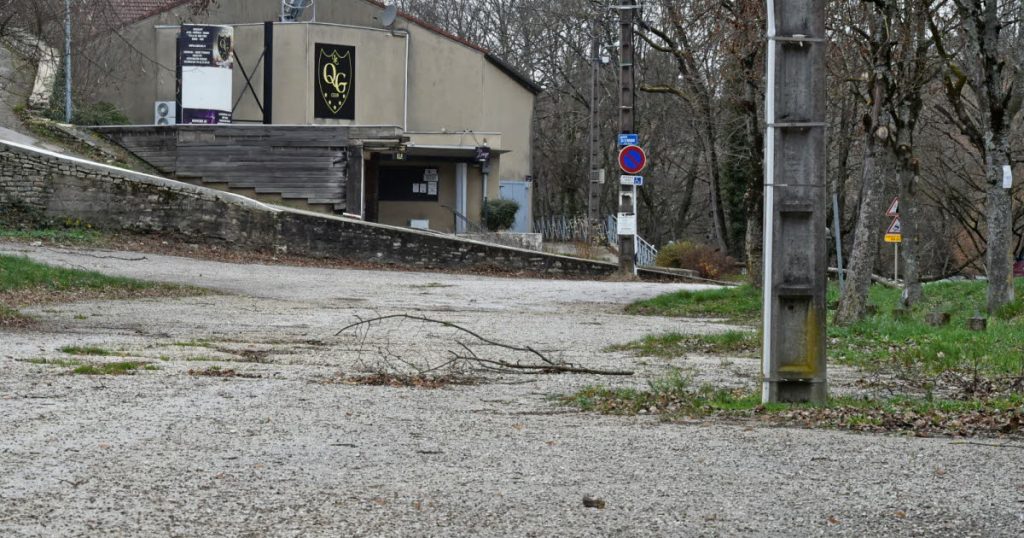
x=447 y=98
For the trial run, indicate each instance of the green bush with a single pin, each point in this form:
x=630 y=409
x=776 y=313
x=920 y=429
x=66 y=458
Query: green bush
x=101 y=113
x=706 y=260
x=500 y=214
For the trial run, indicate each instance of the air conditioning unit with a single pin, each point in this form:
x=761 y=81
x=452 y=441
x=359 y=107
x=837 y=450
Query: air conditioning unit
x=165 y=112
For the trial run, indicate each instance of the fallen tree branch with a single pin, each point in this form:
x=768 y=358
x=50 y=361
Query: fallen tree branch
x=874 y=278
x=447 y=324
x=545 y=366
x=534 y=368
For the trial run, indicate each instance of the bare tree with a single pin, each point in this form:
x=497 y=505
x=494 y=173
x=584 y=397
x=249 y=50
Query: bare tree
x=983 y=86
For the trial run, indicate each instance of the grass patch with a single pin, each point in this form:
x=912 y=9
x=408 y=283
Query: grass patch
x=194 y=343
x=25 y=282
x=673 y=394
x=62 y=363
x=879 y=341
x=20 y=273
x=10 y=317
x=674 y=397
x=76 y=236
x=910 y=343
x=113 y=368
x=675 y=344
x=738 y=304
x=87 y=350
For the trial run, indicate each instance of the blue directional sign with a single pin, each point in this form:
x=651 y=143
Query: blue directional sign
x=628 y=140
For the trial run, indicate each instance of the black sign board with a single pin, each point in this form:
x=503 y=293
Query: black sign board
x=408 y=184
x=334 y=82
x=483 y=154
x=207 y=46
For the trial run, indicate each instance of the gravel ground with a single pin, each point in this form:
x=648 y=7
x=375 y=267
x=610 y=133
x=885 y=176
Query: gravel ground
x=291 y=453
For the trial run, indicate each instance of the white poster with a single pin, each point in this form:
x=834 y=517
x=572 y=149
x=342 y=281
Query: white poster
x=627 y=224
x=206 y=60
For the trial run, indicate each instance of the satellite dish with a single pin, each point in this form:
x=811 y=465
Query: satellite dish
x=388 y=16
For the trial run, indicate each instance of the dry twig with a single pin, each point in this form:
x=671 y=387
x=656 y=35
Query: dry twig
x=545 y=366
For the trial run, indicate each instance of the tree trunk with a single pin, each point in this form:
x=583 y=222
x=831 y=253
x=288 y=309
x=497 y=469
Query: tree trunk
x=853 y=303
x=913 y=292
x=717 y=211
x=999 y=253
x=754 y=246
x=877 y=152
x=682 y=216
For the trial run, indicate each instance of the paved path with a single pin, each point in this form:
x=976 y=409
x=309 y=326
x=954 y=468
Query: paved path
x=165 y=453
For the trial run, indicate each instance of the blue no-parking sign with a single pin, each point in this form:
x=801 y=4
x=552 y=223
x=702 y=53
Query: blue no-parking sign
x=632 y=160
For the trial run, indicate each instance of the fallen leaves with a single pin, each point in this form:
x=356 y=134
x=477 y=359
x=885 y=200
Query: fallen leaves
x=215 y=371
x=923 y=423
x=403 y=380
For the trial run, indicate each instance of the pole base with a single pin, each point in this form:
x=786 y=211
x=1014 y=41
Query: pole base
x=794 y=392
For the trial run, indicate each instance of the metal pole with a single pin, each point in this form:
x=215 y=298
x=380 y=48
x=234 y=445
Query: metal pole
x=627 y=101
x=67 y=61
x=793 y=360
x=594 y=191
x=836 y=225
x=896 y=263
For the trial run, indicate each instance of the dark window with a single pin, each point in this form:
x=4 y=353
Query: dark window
x=409 y=184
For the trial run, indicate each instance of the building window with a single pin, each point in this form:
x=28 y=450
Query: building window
x=408 y=184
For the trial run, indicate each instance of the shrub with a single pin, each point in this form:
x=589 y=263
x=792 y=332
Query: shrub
x=706 y=260
x=500 y=214
x=101 y=113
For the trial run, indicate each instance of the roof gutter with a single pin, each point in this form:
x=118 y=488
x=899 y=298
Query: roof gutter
x=504 y=67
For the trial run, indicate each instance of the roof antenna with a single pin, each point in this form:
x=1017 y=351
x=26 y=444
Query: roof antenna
x=291 y=10
x=388 y=16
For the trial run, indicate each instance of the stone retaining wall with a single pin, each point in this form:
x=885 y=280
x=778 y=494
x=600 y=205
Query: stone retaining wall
x=60 y=187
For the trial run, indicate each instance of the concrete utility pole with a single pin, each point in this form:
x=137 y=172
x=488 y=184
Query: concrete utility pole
x=627 y=99
x=795 y=254
x=67 y=61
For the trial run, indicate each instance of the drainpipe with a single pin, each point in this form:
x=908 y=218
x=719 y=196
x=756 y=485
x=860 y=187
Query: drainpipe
x=769 y=201
x=405 y=111
x=67 y=61
x=486 y=169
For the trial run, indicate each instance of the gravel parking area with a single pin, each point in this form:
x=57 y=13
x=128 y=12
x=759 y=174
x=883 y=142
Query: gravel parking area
x=284 y=449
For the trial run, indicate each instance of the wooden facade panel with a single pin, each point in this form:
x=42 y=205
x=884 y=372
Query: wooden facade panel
x=291 y=161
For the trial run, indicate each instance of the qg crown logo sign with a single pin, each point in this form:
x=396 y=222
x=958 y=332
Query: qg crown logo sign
x=335 y=89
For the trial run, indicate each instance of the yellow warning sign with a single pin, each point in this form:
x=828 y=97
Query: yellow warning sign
x=893 y=238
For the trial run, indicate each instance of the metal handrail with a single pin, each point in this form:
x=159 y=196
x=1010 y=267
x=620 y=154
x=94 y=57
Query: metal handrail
x=646 y=253
x=470 y=226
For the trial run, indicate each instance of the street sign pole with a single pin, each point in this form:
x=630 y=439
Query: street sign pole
x=627 y=193
x=593 y=178
x=894 y=235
